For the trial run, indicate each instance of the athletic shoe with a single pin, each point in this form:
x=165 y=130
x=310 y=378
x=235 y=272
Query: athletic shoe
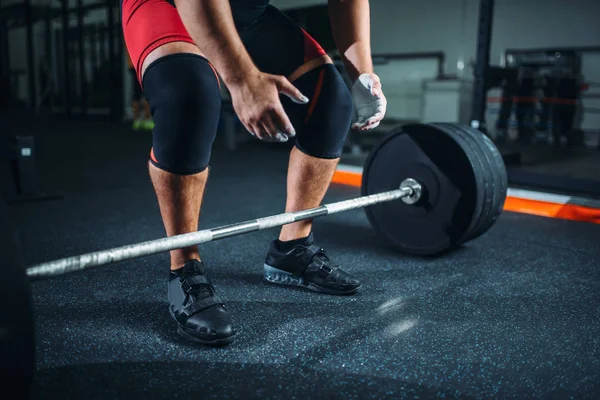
x=200 y=314
x=304 y=264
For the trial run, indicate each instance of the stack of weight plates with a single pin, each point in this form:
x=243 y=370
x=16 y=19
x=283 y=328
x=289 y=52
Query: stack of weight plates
x=464 y=187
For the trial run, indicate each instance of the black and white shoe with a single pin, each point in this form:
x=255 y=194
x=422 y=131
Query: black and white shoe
x=200 y=314
x=304 y=264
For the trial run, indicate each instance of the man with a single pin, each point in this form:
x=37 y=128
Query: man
x=178 y=49
x=138 y=102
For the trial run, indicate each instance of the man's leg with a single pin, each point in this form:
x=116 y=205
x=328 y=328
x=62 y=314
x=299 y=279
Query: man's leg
x=320 y=139
x=179 y=199
x=322 y=125
x=179 y=196
x=183 y=90
x=308 y=177
x=295 y=259
x=186 y=100
x=307 y=182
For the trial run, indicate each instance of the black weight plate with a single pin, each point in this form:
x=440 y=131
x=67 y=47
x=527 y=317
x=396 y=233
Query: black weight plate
x=499 y=172
x=489 y=178
x=441 y=163
x=499 y=169
x=17 y=332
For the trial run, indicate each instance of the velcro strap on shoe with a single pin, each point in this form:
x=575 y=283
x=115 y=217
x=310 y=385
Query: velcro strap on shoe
x=323 y=268
x=191 y=281
x=331 y=273
x=305 y=260
x=201 y=305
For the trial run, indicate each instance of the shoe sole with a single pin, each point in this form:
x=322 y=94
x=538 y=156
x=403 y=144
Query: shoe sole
x=216 y=342
x=279 y=277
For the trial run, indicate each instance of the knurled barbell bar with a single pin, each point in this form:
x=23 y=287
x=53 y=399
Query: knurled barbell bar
x=450 y=180
x=409 y=191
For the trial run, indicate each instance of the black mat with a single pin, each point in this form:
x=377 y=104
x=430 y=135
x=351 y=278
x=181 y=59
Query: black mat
x=514 y=314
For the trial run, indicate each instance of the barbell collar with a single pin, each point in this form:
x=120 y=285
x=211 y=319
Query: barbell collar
x=63 y=266
x=416 y=188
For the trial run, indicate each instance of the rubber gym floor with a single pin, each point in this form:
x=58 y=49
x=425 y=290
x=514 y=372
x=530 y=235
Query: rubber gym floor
x=514 y=314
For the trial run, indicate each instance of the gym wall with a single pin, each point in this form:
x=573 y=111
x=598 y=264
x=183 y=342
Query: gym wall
x=450 y=26
x=434 y=25
x=414 y=26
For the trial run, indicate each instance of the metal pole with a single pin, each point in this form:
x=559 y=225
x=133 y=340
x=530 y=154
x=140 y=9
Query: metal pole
x=81 y=57
x=484 y=37
x=49 y=58
x=120 y=60
x=60 y=96
x=78 y=263
x=93 y=61
x=4 y=52
x=111 y=58
x=65 y=54
x=103 y=47
x=30 y=55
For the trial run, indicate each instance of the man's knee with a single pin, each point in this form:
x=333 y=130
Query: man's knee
x=185 y=99
x=324 y=123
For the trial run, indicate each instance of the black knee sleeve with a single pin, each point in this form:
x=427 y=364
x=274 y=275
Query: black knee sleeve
x=323 y=124
x=185 y=100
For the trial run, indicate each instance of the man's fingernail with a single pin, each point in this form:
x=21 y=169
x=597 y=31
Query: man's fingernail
x=291 y=132
x=282 y=138
x=304 y=99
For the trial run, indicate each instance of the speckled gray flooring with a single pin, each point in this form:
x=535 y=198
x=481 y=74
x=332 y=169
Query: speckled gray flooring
x=515 y=314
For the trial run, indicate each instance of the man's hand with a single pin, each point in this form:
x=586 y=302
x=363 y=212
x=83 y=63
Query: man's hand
x=369 y=101
x=256 y=102
x=255 y=95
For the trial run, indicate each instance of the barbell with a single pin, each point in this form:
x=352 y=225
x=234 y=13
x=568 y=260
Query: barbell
x=426 y=189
